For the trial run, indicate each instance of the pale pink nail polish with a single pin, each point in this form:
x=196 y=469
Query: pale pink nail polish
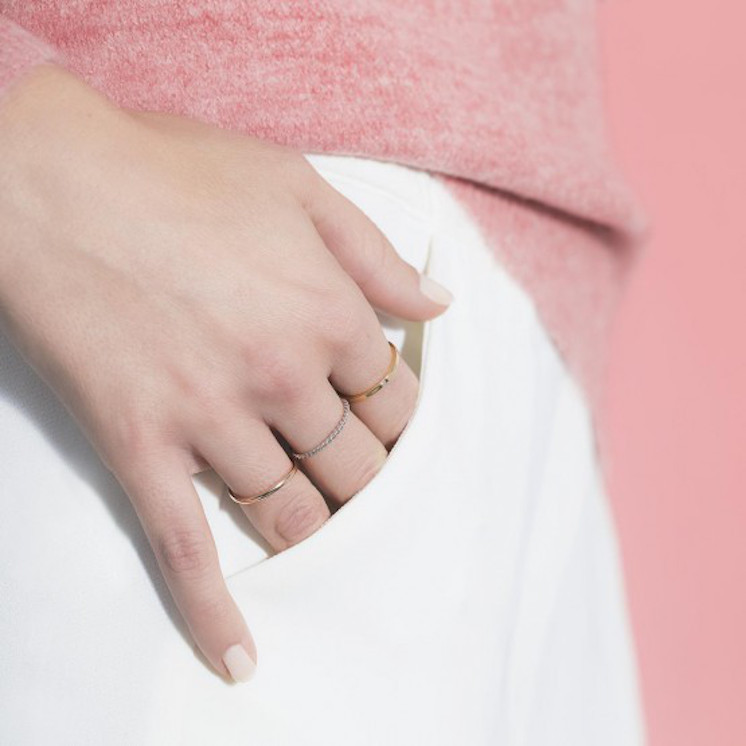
x=239 y=663
x=435 y=291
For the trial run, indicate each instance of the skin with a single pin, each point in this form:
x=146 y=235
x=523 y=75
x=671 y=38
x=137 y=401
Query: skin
x=187 y=292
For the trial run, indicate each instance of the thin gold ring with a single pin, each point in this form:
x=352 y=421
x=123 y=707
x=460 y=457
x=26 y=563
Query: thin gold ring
x=376 y=387
x=255 y=498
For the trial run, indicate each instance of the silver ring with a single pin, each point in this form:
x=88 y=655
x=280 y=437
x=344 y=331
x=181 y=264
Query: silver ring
x=329 y=438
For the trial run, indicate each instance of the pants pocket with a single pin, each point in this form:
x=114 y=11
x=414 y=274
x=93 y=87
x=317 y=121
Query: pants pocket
x=398 y=203
x=399 y=607
x=327 y=544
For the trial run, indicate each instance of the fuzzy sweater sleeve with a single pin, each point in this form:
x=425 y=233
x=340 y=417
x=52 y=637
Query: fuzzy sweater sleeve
x=20 y=52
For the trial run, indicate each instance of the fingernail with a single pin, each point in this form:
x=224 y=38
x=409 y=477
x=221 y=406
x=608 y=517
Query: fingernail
x=239 y=663
x=435 y=291
x=381 y=460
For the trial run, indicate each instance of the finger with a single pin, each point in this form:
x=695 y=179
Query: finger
x=348 y=462
x=250 y=461
x=170 y=511
x=361 y=358
x=388 y=282
x=387 y=412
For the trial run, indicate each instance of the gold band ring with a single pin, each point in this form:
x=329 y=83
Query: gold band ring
x=376 y=387
x=271 y=491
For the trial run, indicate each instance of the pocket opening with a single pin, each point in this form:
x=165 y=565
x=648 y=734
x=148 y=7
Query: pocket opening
x=415 y=352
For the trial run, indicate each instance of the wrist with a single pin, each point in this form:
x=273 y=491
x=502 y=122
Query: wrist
x=47 y=102
x=51 y=127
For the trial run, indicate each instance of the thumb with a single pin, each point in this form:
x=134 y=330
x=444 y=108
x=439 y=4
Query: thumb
x=388 y=282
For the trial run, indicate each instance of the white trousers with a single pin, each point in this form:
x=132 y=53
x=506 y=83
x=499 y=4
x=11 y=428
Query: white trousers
x=470 y=594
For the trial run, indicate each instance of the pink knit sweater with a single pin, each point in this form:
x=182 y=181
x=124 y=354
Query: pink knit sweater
x=499 y=98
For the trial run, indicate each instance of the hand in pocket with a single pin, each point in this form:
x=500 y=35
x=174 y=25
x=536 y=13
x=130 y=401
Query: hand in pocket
x=191 y=294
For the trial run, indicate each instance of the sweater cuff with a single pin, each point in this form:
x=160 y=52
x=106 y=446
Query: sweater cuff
x=20 y=52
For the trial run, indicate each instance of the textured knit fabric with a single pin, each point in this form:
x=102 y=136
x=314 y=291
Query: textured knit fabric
x=499 y=98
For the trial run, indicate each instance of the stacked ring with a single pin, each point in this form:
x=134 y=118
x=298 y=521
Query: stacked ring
x=346 y=400
x=241 y=500
x=329 y=438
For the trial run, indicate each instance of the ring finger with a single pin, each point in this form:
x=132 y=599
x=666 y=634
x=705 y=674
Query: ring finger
x=343 y=455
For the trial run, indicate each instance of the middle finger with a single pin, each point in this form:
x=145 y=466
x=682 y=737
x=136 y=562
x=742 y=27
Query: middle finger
x=345 y=463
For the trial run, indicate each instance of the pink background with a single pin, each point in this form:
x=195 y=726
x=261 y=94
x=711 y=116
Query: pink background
x=676 y=407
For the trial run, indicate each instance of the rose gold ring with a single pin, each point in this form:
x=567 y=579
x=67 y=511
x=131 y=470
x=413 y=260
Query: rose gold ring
x=241 y=500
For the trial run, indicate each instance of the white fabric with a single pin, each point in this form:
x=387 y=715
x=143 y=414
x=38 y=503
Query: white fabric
x=470 y=594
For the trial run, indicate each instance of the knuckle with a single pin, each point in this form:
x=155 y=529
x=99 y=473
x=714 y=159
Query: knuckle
x=209 y=415
x=341 y=321
x=279 y=376
x=185 y=551
x=249 y=349
x=378 y=258
x=203 y=406
x=194 y=395
x=300 y=518
x=199 y=390
x=133 y=434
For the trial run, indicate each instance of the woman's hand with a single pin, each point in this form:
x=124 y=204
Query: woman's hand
x=185 y=291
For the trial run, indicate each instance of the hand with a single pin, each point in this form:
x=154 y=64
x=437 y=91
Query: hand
x=185 y=291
